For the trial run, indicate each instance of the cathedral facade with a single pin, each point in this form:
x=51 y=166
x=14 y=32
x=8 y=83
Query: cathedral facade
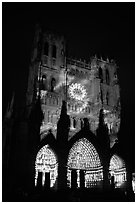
x=65 y=137
x=80 y=103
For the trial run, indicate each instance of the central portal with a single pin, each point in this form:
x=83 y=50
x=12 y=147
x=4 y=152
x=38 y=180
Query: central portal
x=84 y=166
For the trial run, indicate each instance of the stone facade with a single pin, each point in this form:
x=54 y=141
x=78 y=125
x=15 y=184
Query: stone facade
x=51 y=71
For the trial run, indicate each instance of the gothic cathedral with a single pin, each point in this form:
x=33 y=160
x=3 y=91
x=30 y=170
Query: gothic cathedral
x=80 y=106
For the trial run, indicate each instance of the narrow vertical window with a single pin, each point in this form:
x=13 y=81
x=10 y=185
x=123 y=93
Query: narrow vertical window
x=53 y=84
x=48 y=113
x=107 y=98
x=46 y=48
x=54 y=51
x=107 y=76
x=82 y=125
x=44 y=82
x=74 y=123
x=100 y=75
x=101 y=96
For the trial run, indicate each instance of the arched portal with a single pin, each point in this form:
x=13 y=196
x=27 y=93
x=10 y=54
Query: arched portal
x=46 y=164
x=84 y=165
x=117 y=169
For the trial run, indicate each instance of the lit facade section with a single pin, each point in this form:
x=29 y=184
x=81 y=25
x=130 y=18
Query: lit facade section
x=118 y=170
x=46 y=162
x=90 y=86
x=83 y=156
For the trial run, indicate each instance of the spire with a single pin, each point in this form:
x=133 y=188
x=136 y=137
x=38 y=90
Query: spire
x=104 y=142
x=63 y=109
x=102 y=131
x=36 y=113
x=63 y=124
x=101 y=118
x=35 y=119
x=102 y=125
x=62 y=139
x=64 y=118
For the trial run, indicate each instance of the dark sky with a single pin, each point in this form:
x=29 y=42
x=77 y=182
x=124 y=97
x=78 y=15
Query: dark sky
x=105 y=29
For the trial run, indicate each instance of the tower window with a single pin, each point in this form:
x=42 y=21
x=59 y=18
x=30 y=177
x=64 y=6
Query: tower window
x=44 y=82
x=46 y=48
x=54 y=51
x=82 y=125
x=101 y=96
x=107 y=76
x=100 y=75
x=53 y=84
x=48 y=113
x=74 y=123
x=107 y=98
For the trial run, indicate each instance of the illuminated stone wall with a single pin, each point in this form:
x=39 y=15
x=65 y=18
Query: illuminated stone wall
x=87 y=86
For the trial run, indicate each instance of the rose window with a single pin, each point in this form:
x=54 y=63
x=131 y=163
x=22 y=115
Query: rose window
x=77 y=91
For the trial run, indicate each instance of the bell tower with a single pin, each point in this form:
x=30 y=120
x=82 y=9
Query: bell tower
x=47 y=62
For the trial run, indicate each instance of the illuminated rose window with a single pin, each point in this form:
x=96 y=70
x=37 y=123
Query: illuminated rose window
x=77 y=91
x=46 y=162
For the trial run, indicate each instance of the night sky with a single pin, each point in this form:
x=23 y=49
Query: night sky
x=104 y=29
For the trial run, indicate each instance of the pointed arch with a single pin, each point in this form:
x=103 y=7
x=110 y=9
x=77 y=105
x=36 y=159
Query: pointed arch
x=83 y=155
x=46 y=162
x=117 y=169
x=84 y=160
x=116 y=163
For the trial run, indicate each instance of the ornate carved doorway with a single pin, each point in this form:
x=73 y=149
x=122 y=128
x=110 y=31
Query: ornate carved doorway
x=84 y=166
x=46 y=167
